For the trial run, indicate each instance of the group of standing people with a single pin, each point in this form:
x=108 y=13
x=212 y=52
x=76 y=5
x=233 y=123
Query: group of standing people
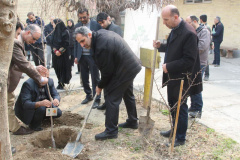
x=98 y=46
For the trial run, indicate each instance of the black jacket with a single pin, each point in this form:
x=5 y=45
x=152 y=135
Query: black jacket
x=94 y=26
x=71 y=31
x=218 y=35
x=29 y=95
x=48 y=31
x=114 y=58
x=39 y=21
x=182 y=58
x=115 y=28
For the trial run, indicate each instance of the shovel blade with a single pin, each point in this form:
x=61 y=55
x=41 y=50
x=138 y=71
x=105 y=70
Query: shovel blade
x=72 y=149
x=145 y=126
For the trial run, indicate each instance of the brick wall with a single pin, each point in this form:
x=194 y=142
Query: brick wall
x=228 y=10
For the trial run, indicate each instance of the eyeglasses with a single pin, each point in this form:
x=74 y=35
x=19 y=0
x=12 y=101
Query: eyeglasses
x=83 y=17
x=33 y=37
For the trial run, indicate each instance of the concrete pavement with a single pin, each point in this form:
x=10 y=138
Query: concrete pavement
x=221 y=95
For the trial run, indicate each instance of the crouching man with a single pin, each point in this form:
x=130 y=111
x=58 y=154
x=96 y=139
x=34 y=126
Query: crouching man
x=33 y=101
x=118 y=66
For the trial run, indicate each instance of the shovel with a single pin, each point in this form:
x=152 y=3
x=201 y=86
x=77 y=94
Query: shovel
x=145 y=122
x=72 y=149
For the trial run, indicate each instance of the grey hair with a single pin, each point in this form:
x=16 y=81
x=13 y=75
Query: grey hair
x=33 y=28
x=82 y=30
x=218 y=18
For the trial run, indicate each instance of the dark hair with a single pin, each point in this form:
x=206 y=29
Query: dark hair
x=174 y=11
x=218 y=18
x=102 y=16
x=19 y=25
x=82 y=10
x=194 y=18
x=30 y=13
x=203 y=17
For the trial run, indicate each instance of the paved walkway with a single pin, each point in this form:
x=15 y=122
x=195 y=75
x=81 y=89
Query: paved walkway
x=221 y=95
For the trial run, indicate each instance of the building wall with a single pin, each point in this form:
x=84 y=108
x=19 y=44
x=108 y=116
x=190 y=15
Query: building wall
x=228 y=10
x=42 y=10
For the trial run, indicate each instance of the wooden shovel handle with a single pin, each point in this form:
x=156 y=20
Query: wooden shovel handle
x=177 y=115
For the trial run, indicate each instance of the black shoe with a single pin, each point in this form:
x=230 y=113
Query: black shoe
x=104 y=136
x=36 y=128
x=86 y=100
x=206 y=78
x=196 y=114
x=96 y=104
x=191 y=110
x=23 y=131
x=216 y=65
x=177 y=143
x=77 y=72
x=60 y=87
x=165 y=133
x=102 y=107
x=13 y=149
x=128 y=125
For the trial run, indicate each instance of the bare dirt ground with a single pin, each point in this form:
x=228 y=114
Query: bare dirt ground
x=201 y=143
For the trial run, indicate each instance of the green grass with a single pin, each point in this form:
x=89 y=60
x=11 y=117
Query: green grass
x=210 y=130
x=165 y=112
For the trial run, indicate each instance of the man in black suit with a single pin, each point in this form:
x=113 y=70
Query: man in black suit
x=83 y=56
x=181 y=62
x=33 y=101
x=119 y=66
x=104 y=20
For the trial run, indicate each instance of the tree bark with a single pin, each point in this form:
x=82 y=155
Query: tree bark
x=7 y=31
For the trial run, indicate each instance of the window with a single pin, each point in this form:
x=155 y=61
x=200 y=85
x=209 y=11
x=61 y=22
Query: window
x=197 y=1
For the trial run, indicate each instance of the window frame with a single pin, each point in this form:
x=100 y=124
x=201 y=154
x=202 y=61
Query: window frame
x=193 y=2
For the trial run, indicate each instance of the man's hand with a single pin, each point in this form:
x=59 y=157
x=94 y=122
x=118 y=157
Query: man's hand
x=45 y=81
x=98 y=90
x=156 y=44
x=76 y=61
x=164 y=67
x=45 y=103
x=58 y=53
x=43 y=71
x=55 y=102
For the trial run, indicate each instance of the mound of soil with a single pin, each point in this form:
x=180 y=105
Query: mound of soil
x=67 y=119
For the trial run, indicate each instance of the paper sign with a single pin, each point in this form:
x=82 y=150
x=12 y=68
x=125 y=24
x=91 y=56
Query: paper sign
x=51 y=112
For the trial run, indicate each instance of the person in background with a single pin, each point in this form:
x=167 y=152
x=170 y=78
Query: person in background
x=84 y=57
x=105 y=21
x=48 y=30
x=204 y=40
x=61 y=60
x=217 y=36
x=203 y=21
x=37 y=48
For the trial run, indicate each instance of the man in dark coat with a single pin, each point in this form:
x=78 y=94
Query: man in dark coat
x=83 y=57
x=118 y=66
x=36 y=48
x=181 y=62
x=217 y=38
x=33 y=101
x=104 y=20
x=48 y=31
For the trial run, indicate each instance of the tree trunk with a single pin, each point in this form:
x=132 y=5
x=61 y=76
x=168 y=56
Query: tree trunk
x=7 y=31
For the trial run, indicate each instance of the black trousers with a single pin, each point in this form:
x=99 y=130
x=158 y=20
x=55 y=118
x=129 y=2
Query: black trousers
x=113 y=100
x=173 y=94
x=40 y=114
x=87 y=65
x=37 y=53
